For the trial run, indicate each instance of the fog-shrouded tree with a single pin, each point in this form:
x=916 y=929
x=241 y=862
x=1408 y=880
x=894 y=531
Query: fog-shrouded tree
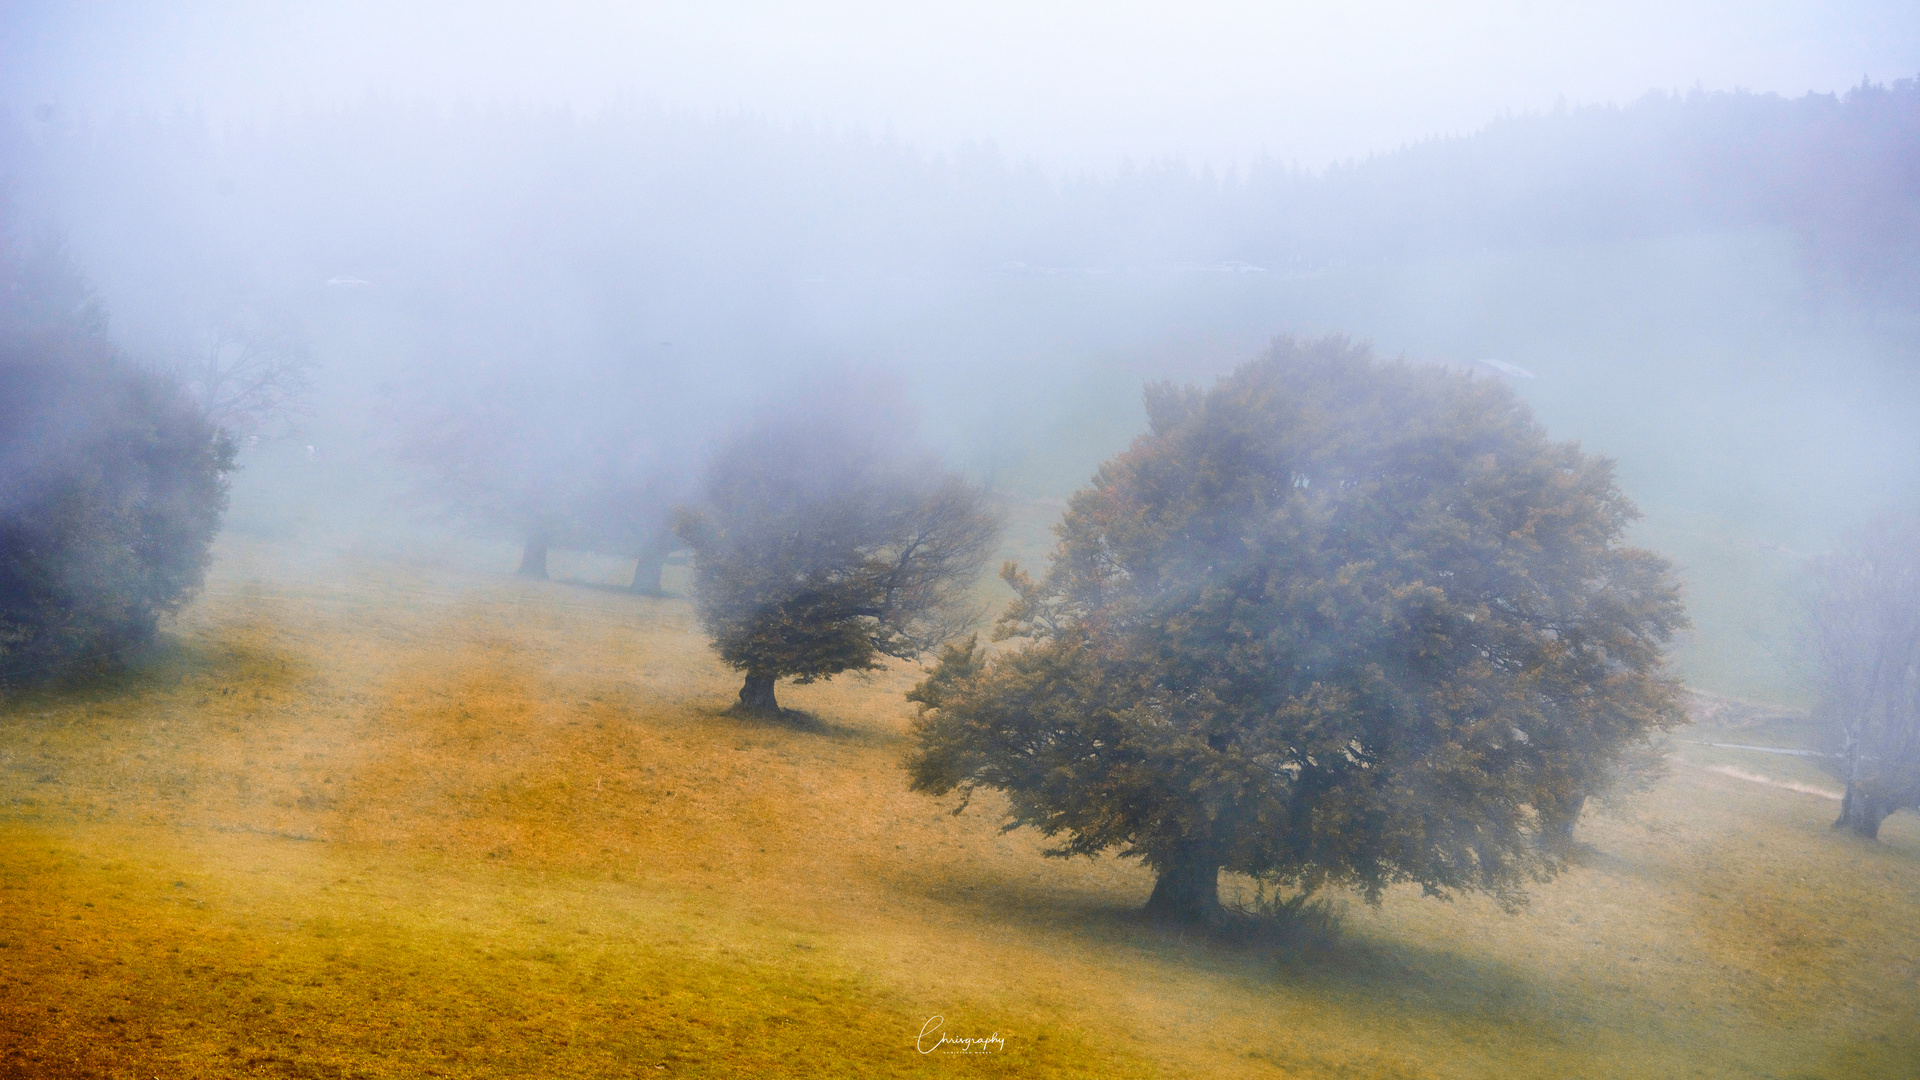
x=1864 y=635
x=549 y=455
x=1335 y=621
x=827 y=543
x=43 y=295
x=249 y=369
x=112 y=482
x=629 y=506
x=493 y=452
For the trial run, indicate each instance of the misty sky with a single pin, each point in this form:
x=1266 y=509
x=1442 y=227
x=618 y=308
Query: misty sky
x=1066 y=85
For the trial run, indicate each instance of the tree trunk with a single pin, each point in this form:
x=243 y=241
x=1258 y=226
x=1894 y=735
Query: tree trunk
x=653 y=560
x=1187 y=892
x=533 y=560
x=1861 y=813
x=756 y=697
x=1561 y=824
x=646 y=574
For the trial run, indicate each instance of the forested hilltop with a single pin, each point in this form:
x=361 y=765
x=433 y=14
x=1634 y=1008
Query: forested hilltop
x=1841 y=172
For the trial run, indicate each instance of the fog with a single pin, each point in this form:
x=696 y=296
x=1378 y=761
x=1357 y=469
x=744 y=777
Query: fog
x=1071 y=86
x=560 y=288
x=1710 y=287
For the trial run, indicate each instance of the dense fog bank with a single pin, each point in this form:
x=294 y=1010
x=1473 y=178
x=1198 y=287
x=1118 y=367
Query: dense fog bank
x=1712 y=288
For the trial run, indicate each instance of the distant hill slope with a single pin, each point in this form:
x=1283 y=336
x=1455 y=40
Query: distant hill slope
x=1840 y=171
x=401 y=195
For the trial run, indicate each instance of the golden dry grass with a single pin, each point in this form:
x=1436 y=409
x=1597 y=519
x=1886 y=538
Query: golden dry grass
x=377 y=819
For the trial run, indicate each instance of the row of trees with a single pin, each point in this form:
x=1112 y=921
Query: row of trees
x=383 y=184
x=1335 y=620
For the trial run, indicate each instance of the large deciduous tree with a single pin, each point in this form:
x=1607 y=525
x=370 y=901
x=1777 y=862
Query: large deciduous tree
x=1334 y=621
x=824 y=546
x=1865 y=639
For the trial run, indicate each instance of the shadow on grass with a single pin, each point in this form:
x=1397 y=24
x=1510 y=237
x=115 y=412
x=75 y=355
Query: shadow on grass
x=1334 y=964
x=800 y=721
x=77 y=749
x=166 y=665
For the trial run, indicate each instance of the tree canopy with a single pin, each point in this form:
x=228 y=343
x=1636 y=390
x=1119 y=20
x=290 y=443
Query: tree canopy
x=112 y=482
x=824 y=546
x=1335 y=620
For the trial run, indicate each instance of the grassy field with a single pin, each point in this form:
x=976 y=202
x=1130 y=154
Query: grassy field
x=371 y=817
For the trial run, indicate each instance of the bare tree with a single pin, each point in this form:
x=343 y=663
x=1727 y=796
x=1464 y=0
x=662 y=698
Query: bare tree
x=248 y=370
x=1865 y=639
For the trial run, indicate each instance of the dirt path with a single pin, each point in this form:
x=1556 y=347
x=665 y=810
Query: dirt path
x=1756 y=778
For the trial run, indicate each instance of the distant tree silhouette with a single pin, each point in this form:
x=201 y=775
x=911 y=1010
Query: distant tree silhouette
x=1865 y=640
x=1336 y=620
x=660 y=202
x=495 y=452
x=822 y=546
x=249 y=369
x=630 y=505
x=550 y=456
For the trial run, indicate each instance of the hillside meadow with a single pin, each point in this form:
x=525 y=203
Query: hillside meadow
x=370 y=816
